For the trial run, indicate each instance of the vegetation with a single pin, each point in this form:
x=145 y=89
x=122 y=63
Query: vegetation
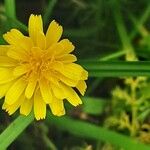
x=112 y=42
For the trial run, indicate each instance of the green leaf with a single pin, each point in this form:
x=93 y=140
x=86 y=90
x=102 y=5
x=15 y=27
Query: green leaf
x=14 y=130
x=116 y=68
x=90 y=131
x=94 y=106
x=10 y=10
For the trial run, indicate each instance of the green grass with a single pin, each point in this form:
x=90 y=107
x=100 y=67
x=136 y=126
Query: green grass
x=110 y=37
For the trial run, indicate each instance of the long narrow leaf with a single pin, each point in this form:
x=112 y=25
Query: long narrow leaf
x=14 y=130
x=49 y=10
x=90 y=131
x=117 y=68
x=10 y=8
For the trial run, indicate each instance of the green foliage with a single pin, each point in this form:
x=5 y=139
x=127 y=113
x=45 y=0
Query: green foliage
x=102 y=31
x=93 y=106
x=14 y=129
x=87 y=130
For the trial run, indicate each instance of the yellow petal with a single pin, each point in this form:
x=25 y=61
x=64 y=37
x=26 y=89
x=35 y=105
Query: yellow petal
x=41 y=40
x=31 y=87
x=12 y=108
x=17 y=39
x=20 y=70
x=53 y=33
x=6 y=75
x=68 y=58
x=13 y=37
x=45 y=91
x=39 y=106
x=15 y=54
x=61 y=48
x=7 y=62
x=36 y=51
x=84 y=75
x=4 y=49
x=52 y=78
x=66 y=80
x=54 y=49
x=68 y=47
x=15 y=91
x=58 y=92
x=35 y=26
x=71 y=95
x=26 y=106
x=72 y=71
x=26 y=43
x=57 y=107
x=81 y=86
x=4 y=88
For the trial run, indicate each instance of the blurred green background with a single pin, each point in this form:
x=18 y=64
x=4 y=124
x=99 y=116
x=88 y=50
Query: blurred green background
x=100 y=30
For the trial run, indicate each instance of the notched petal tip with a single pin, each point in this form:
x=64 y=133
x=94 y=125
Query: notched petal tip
x=34 y=15
x=60 y=113
x=68 y=46
x=5 y=35
x=39 y=118
x=81 y=86
x=53 y=33
x=84 y=75
x=35 y=25
x=13 y=36
x=55 y=22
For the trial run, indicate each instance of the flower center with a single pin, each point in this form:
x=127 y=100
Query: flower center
x=38 y=64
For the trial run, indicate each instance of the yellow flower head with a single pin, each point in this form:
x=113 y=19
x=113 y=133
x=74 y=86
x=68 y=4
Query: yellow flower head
x=39 y=70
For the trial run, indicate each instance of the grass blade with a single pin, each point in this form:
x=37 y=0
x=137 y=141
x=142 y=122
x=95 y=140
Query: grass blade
x=94 y=106
x=117 y=68
x=49 y=10
x=10 y=8
x=87 y=130
x=14 y=130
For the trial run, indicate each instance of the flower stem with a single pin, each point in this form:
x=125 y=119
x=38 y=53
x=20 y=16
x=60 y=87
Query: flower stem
x=10 y=10
x=134 y=121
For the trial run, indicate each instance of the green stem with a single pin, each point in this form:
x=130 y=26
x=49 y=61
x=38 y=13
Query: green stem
x=48 y=142
x=141 y=21
x=120 y=25
x=10 y=11
x=14 y=130
x=10 y=8
x=130 y=55
x=87 y=130
x=134 y=120
x=114 y=55
x=49 y=10
x=44 y=130
x=139 y=28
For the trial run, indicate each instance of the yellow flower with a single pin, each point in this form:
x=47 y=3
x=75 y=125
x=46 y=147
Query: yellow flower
x=39 y=70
